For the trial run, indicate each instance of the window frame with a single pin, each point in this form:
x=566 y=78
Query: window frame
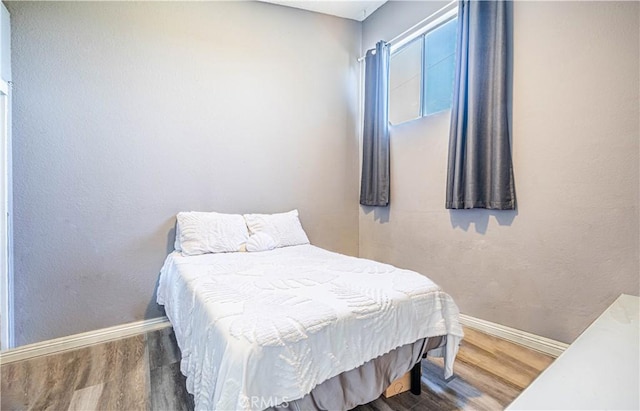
x=421 y=35
x=420 y=38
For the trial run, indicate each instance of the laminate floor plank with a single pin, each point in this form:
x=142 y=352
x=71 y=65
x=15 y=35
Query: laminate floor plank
x=524 y=364
x=86 y=399
x=22 y=383
x=163 y=348
x=130 y=391
x=127 y=393
x=108 y=361
x=405 y=401
x=45 y=382
x=101 y=360
x=511 y=370
x=457 y=394
x=536 y=361
x=377 y=405
x=480 y=380
x=168 y=389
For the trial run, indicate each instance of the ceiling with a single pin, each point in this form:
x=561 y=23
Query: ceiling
x=348 y=9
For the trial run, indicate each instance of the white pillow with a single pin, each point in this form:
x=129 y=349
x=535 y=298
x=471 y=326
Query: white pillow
x=202 y=233
x=261 y=242
x=284 y=228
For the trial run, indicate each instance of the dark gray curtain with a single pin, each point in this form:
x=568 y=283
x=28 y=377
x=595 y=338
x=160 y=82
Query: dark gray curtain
x=480 y=173
x=374 y=187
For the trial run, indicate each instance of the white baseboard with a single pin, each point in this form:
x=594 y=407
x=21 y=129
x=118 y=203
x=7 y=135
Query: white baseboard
x=75 y=341
x=535 y=342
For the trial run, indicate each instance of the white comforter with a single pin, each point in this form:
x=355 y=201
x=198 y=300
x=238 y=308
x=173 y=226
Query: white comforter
x=259 y=329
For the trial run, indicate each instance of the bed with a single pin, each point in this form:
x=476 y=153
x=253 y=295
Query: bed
x=259 y=330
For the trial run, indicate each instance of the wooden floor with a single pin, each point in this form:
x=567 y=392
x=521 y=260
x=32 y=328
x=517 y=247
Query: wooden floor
x=489 y=373
x=143 y=373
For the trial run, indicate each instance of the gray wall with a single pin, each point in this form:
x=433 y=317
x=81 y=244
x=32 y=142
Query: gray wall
x=126 y=113
x=551 y=267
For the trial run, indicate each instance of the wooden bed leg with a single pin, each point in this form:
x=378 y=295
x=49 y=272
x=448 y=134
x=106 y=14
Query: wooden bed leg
x=416 y=375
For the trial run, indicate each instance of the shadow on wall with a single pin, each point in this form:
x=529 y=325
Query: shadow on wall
x=462 y=219
x=380 y=214
x=154 y=310
x=171 y=239
x=153 y=307
x=480 y=218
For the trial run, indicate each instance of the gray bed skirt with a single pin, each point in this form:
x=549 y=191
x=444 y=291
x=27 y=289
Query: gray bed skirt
x=365 y=383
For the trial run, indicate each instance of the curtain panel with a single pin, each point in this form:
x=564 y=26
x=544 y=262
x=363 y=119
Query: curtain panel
x=480 y=171
x=374 y=185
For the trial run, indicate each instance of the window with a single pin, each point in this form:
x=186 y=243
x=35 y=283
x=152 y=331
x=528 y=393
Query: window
x=421 y=74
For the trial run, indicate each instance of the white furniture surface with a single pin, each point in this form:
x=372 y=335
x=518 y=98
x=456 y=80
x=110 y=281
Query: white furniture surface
x=599 y=371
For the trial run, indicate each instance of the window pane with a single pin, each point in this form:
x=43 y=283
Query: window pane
x=405 y=73
x=440 y=85
x=440 y=47
x=441 y=42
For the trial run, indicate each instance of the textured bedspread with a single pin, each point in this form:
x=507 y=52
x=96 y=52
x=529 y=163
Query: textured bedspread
x=259 y=329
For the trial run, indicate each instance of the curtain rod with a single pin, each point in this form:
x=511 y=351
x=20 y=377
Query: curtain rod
x=422 y=26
